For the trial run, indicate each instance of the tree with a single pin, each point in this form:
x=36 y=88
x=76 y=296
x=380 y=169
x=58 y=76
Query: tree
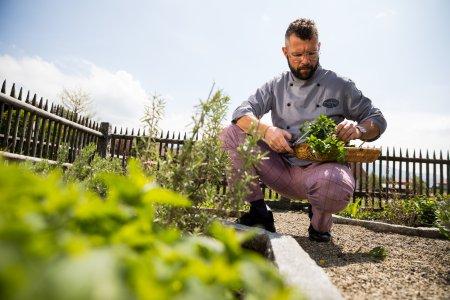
x=77 y=101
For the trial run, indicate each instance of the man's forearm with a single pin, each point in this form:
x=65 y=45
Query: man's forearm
x=245 y=123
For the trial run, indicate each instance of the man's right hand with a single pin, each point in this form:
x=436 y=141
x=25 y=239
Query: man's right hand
x=277 y=139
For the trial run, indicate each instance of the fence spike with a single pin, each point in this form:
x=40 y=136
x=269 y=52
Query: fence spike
x=46 y=105
x=27 y=100
x=120 y=130
x=167 y=135
x=4 y=87
x=427 y=154
x=126 y=131
x=406 y=153
x=132 y=131
x=33 y=102
x=20 y=95
x=40 y=102
x=434 y=154
x=139 y=131
x=13 y=91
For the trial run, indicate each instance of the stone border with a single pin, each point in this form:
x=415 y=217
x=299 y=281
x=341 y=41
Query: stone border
x=427 y=232
x=294 y=263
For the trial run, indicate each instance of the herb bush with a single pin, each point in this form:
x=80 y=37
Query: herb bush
x=61 y=241
x=419 y=211
x=443 y=216
x=198 y=170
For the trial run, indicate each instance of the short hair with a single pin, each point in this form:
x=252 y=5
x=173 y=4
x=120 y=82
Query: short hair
x=304 y=29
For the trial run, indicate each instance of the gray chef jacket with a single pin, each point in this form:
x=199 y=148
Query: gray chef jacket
x=292 y=101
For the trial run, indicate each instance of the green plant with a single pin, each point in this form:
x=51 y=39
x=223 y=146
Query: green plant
x=322 y=138
x=59 y=241
x=419 y=211
x=352 y=209
x=378 y=253
x=443 y=216
x=88 y=166
x=197 y=169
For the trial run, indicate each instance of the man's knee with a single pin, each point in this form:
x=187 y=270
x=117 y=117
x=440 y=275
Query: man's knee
x=231 y=135
x=334 y=189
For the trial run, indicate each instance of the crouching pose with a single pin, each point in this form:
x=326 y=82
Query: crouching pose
x=301 y=94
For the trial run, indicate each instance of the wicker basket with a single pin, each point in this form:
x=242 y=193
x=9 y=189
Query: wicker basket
x=353 y=154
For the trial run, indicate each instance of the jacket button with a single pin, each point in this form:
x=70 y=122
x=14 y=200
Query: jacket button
x=289 y=104
x=291 y=84
x=288 y=127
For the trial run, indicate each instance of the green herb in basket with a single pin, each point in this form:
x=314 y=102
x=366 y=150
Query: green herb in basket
x=322 y=138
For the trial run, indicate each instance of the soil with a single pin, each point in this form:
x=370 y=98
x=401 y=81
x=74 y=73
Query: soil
x=414 y=267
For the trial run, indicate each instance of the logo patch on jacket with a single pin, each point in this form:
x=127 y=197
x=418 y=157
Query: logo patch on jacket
x=330 y=103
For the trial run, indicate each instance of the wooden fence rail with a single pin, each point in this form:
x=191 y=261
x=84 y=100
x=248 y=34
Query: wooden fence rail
x=29 y=129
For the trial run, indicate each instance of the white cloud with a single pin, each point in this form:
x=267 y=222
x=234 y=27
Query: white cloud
x=118 y=97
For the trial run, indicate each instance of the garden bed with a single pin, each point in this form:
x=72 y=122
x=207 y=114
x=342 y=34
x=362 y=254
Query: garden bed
x=414 y=268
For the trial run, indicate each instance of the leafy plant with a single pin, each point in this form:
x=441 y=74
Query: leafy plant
x=419 y=211
x=322 y=138
x=443 y=216
x=87 y=167
x=59 y=241
x=351 y=210
x=378 y=253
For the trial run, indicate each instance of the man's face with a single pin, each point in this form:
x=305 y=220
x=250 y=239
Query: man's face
x=302 y=56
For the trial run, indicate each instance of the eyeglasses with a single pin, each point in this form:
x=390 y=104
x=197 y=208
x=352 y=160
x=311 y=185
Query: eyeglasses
x=298 y=56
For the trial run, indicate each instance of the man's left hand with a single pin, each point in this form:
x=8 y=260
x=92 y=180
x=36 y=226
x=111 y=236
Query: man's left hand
x=347 y=131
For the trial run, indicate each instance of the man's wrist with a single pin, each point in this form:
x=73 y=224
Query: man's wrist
x=362 y=131
x=265 y=131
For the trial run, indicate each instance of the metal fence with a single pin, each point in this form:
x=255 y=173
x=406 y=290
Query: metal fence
x=29 y=129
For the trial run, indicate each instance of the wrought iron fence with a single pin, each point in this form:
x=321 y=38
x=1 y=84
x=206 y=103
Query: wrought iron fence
x=29 y=129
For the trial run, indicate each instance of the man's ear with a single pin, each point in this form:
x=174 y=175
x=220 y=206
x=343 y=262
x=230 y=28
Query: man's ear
x=284 y=51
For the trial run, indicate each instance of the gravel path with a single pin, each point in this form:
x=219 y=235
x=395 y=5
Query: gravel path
x=415 y=267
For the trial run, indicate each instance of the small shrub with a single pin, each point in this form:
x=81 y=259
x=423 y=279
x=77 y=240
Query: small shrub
x=419 y=211
x=378 y=253
x=443 y=216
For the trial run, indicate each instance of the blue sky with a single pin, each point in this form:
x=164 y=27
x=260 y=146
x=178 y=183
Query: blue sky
x=120 y=52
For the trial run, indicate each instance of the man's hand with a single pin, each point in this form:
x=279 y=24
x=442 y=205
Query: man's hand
x=277 y=138
x=347 y=131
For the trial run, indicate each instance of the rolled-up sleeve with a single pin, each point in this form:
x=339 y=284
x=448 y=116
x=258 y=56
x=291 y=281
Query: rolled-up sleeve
x=257 y=104
x=360 y=109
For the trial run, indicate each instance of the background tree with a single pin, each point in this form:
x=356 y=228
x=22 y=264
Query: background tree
x=77 y=101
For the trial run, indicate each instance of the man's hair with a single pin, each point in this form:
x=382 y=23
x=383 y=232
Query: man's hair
x=304 y=29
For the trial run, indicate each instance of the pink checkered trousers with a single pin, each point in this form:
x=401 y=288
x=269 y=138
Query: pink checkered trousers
x=327 y=186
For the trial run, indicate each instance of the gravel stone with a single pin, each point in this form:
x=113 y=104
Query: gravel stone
x=414 y=268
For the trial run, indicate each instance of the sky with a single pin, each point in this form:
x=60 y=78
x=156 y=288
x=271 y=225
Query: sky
x=123 y=52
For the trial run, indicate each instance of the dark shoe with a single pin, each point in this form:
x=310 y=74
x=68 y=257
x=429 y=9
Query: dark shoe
x=321 y=237
x=310 y=213
x=253 y=219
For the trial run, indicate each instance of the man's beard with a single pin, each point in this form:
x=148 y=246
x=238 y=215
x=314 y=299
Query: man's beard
x=303 y=72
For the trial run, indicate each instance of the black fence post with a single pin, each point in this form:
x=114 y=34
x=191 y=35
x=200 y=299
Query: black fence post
x=104 y=143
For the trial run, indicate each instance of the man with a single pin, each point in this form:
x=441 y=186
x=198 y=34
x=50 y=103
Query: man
x=301 y=94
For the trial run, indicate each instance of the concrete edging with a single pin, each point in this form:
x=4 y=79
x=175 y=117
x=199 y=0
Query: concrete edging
x=427 y=232
x=294 y=263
